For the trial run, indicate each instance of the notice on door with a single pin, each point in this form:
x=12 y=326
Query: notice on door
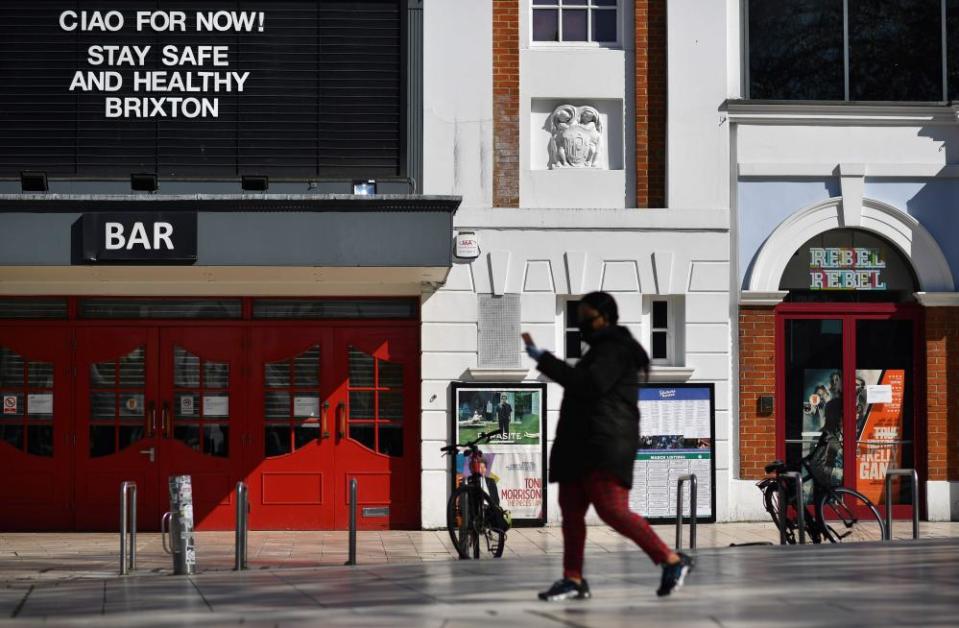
x=216 y=405
x=304 y=407
x=10 y=404
x=40 y=403
x=676 y=439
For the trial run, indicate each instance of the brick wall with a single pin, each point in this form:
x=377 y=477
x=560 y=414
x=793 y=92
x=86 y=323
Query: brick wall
x=757 y=376
x=942 y=392
x=506 y=103
x=650 y=103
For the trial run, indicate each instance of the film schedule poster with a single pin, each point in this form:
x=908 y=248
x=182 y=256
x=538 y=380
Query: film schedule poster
x=676 y=439
x=515 y=458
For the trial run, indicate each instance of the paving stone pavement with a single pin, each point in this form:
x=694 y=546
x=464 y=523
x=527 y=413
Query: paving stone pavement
x=903 y=583
x=46 y=557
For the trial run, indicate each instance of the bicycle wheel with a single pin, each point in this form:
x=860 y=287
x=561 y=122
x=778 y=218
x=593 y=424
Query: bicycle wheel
x=848 y=516
x=460 y=522
x=771 y=503
x=468 y=520
x=495 y=539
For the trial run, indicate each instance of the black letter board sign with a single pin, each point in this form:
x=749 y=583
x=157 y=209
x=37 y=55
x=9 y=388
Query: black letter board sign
x=206 y=89
x=139 y=237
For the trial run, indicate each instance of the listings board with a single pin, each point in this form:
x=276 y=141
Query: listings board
x=677 y=437
x=516 y=459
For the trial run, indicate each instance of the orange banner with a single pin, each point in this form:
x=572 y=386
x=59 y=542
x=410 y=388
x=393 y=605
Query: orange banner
x=879 y=419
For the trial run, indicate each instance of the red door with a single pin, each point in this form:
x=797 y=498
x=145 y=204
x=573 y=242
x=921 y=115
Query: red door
x=376 y=401
x=202 y=407
x=334 y=403
x=116 y=424
x=153 y=403
x=854 y=368
x=291 y=456
x=36 y=436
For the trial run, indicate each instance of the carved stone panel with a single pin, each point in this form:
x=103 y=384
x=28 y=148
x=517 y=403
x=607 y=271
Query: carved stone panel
x=576 y=137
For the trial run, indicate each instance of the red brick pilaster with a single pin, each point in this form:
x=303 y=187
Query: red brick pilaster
x=942 y=392
x=757 y=376
x=506 y=103
x=650 y=22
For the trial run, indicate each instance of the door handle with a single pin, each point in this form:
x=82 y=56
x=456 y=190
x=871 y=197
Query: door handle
x=167 y=425
x=150 y=451
x=324 y=426
x=340 y=420
x=149 y=429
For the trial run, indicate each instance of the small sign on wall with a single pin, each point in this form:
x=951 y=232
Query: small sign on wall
x=467 y=245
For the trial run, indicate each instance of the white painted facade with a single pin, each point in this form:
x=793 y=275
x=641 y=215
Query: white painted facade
x=576 y=230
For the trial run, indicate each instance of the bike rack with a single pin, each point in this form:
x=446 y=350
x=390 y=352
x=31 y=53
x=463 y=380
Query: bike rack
x=242 y=527
x=784 y=507
x=128 y=527
x=352 y=558
x=911 y=473
x=691 y=478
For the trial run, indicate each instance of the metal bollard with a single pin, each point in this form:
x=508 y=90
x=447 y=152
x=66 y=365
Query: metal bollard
x=242 y=526
x=182 y=539
x=691 y=478
x=800 y=508
x=165 y=532
x=915 y=500
x=352 y=558
x=128 y=527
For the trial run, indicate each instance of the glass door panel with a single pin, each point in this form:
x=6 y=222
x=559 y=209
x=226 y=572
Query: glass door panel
x=884 y=405
x=813 y=395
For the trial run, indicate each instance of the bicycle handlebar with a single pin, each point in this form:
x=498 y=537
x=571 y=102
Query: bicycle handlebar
x=483 y=437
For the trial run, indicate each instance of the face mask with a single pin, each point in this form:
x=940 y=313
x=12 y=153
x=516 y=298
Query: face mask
x=586 y=327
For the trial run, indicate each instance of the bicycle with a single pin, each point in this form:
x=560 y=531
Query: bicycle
x=473 y=519
x=840 y=513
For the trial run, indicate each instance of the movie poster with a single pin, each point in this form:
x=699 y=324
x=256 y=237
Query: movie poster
x=514 y=459
x=822 y=411
x=879 y=425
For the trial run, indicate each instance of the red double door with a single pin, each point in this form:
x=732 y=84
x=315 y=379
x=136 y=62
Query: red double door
x=854 y=369
x=294 y=411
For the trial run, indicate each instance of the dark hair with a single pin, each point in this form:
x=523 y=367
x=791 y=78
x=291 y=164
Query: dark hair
x=604 y=303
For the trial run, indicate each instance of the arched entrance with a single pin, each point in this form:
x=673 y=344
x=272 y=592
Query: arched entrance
x=849 y=358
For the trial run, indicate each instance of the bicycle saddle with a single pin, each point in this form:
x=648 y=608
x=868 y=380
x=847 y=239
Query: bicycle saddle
x=776 y=465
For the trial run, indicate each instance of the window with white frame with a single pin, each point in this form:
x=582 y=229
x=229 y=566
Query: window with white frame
x=573 y=337
x=660 y=334
x=576 y=21
x=663 y=318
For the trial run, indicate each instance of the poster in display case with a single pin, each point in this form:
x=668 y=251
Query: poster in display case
x=516 y=459
x=677 y=429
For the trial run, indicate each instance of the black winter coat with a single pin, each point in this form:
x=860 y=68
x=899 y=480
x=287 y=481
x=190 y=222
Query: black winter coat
x=599 y=419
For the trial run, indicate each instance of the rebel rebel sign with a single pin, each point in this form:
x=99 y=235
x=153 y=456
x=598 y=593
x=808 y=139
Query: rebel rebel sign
x=140 y=237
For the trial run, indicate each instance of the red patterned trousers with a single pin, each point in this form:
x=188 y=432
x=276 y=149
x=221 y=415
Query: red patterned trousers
x=611 y=500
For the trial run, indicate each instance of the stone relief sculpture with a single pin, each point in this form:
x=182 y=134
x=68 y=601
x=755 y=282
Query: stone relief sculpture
x=576 y=137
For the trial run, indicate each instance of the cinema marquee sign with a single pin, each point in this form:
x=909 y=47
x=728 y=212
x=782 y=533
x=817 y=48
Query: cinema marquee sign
x=846 y=268
x=139 y=237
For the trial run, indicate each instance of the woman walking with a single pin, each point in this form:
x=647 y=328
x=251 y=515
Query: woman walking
x=596 y=442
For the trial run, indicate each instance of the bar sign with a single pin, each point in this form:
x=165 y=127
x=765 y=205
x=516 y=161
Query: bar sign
x=140 y=237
